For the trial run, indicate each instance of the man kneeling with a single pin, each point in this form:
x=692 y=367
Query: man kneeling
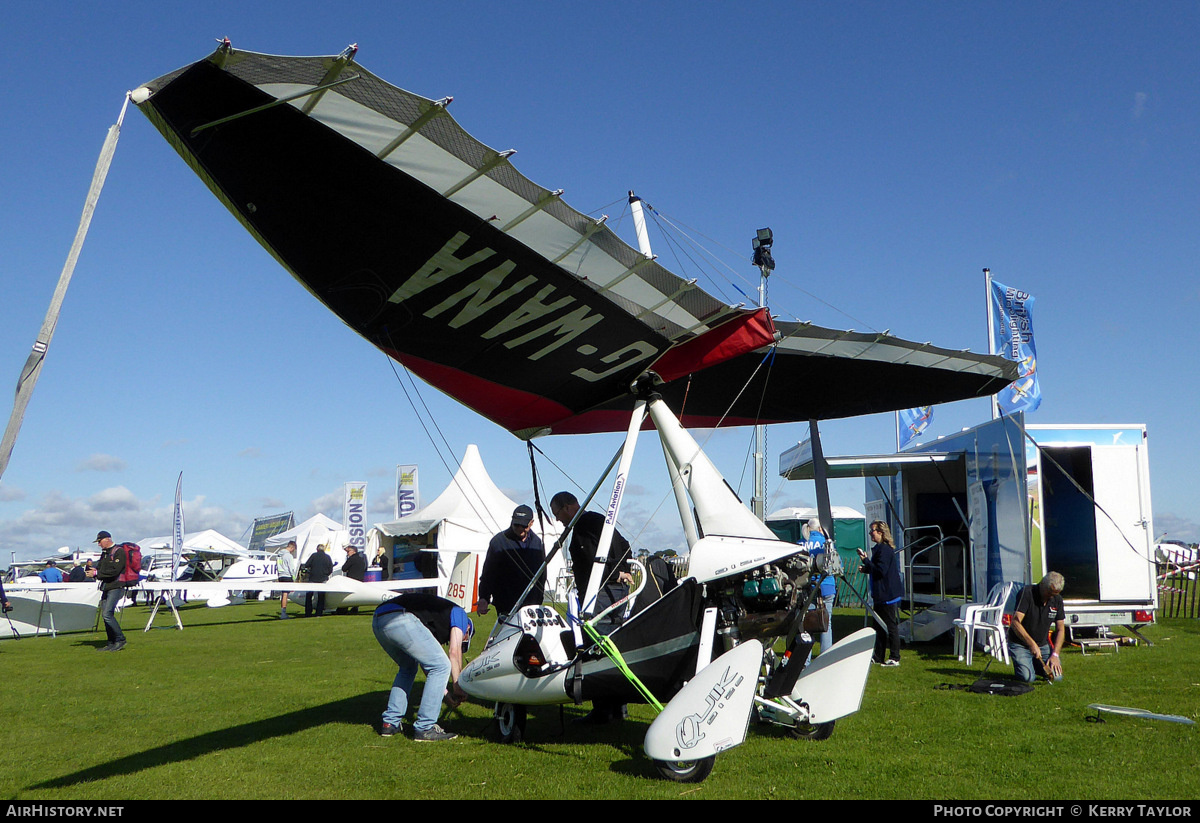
x=1038 y=608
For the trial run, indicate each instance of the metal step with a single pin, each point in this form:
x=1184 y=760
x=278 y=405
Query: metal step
x=930 y=623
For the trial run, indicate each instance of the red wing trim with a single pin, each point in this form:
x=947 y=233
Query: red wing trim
x=511 y=408
x=735 y=337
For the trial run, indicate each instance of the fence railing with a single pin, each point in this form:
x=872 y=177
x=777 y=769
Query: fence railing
x=1179 y=589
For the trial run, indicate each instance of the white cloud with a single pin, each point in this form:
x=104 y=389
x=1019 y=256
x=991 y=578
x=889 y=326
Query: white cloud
x=115 y=499
x=101 y=463
x=1177 y=528
x=11 y=493
x=329 y=504
x=1139 y=104
x=58 y=520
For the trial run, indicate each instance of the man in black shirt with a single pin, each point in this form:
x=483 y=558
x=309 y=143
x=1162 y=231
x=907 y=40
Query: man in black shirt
x=1038 y=609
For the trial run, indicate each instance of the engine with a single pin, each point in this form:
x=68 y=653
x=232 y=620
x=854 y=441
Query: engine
x=761 y=603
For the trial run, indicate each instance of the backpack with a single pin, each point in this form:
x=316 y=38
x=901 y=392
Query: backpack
x=660 y=579
x=133 y=563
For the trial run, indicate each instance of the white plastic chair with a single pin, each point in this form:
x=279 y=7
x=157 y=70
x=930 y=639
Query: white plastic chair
x=986 y=617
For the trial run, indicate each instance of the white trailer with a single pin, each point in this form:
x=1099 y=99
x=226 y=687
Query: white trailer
x=1003 y=502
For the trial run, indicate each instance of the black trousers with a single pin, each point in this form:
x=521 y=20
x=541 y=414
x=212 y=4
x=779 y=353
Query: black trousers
x=887 y=640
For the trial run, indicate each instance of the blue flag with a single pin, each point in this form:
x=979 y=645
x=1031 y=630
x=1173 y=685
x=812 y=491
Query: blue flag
x=1012 y=316
x=912 y=423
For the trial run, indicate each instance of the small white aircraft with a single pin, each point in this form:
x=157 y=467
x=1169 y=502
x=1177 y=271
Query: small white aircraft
x=340 y=592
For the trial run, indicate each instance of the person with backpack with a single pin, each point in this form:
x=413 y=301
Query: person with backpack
x=112 y=572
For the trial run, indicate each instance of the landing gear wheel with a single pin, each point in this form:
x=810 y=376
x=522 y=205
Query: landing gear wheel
x=511 y=719
x=813 y=731
x=691 y=771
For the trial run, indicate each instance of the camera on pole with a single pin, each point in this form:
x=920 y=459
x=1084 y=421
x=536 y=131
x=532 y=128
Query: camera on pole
x=762 y=251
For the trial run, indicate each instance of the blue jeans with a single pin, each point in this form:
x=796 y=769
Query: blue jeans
x=109 y=610
x=410 y=644
x=1025 y=667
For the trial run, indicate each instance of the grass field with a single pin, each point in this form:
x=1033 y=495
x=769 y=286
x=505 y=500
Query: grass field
x=241 y=705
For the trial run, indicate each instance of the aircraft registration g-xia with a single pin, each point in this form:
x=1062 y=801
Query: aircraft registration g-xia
x=433 y=247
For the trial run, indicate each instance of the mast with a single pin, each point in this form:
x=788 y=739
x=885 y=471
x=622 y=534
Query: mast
x=991 y=330
x=639 y=225
x=762 y=243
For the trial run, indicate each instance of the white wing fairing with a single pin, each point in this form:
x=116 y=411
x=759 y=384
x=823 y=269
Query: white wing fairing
x=50 y=608
x=339 y=590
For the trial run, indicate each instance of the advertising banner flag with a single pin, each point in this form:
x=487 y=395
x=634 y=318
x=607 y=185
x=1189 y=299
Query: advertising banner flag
x=354 y=514
x=912 y=423
x=265 y=527
x=408 y=492
x=177 y=532
x=1012 y=330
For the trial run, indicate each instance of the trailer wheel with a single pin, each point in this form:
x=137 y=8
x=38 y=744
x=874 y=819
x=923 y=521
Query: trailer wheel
x=690 y=771
x=511 y=719
x=813 y=731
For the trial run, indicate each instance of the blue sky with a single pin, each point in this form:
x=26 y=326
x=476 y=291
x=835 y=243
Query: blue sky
x=895 y=150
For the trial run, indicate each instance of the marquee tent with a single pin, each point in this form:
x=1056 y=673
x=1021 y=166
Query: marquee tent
x=311 y=533
x=464 y=518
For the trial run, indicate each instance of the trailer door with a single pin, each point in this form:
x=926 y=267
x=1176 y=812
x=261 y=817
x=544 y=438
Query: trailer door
x=1122 y=545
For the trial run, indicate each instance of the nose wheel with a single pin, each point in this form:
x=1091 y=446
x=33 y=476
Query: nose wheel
x=813 y=731
x=685 y=771
x=510 y=718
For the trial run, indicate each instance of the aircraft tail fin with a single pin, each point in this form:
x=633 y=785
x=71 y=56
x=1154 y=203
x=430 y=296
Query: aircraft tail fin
x=464 y=587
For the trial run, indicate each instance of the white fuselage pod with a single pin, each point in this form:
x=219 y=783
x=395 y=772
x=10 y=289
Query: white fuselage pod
x=525 y=662
x=832 y=685
x=712 y=712
x=719 y=556
x=39 y=608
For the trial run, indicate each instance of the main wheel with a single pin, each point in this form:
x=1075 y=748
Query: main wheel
x=691 y=771
x=511 y=719
x=813 y=731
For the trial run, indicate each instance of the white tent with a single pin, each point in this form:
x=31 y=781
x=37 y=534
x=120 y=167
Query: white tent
x=311 y=533
x=208 y=540
x=809 y=512
x=464 y=518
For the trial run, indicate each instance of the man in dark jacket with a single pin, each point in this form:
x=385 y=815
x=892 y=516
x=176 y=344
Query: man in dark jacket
x=355 y=568
x=585 y=543
x=585 y=540
x=514 y=558
x=320 y=568
x=112 y=563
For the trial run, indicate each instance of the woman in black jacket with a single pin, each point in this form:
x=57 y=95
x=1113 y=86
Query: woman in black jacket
x=883 y=565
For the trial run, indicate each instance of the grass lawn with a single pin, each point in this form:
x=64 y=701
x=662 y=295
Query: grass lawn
x=241 y=705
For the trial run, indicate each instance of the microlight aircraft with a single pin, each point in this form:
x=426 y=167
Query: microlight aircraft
x=434 y=248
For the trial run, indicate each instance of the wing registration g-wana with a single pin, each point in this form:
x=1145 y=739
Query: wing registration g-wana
x=433 y=247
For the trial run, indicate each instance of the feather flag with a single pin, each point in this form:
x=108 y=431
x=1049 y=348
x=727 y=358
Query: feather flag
x=912 y=423
x=1012 y=337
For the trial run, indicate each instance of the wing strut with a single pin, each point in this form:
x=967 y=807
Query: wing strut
x=587 y=603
